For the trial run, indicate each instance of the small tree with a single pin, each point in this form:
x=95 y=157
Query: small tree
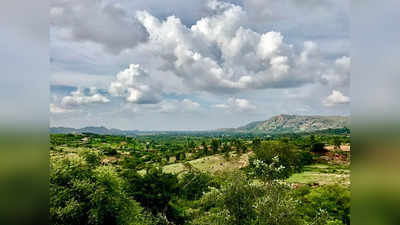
x=215 y=146
x=318 y=147
x=337 y=142
x=205 y=147
x=167 y=157
x=155 y=191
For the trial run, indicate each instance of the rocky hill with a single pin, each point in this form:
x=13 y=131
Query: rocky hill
x=295 y=124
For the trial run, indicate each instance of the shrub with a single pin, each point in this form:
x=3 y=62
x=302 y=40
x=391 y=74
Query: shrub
x=318 y=148
x=80 y=194
x=109 y=151
x=334 y=199
x=155 y=191
x=241 y=202
x=277 y=154
x=194 y=184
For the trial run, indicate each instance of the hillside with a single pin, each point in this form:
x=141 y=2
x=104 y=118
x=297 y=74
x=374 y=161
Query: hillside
x=94 y=130
x=295 y=124
x=276 y=125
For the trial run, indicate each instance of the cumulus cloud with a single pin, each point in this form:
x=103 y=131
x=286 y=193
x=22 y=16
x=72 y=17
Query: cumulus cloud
x=219 y=54
x=101 y=22
x=79 y=97
x=236 y=104
x=336 y=98
x=135 y=86
x=211 y=49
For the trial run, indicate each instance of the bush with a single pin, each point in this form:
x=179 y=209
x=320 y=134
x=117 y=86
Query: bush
x=334 y=199
x=194 y=184
x=109 y=151
x=280 y=155
x=241 y=202
x=318 y=148
x=92 y=157
x=155 y=191
x=80 y=194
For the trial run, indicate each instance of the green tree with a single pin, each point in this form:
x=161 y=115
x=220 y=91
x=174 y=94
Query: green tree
x=318 y=147
x=337 y=142
x=226 y=147
x=241 y=202
x=334 y=199
x=205 y=147
x=154 y=191
x=278 y=154
x=215 y=146
x=195 y=183
x=80 y=194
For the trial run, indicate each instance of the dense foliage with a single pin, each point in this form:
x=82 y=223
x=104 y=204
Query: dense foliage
x=83 y=194
x=105 y=179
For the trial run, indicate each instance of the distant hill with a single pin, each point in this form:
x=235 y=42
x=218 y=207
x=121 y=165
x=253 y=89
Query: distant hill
x=295 y=124
x=93 y=130
x=275 y=125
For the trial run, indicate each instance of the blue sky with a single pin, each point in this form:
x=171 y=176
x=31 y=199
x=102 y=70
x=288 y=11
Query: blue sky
x=178 y=65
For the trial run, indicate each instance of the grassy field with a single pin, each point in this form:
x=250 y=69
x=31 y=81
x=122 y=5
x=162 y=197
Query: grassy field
x=322 y=174
x=211 y=164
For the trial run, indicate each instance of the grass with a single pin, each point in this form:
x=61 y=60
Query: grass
x=322 y=174
x=211 y=164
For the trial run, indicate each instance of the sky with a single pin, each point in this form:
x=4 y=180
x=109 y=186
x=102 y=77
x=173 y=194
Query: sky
x=196 y=65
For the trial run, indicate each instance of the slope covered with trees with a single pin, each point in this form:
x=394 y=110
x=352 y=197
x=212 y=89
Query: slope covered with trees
x=105 y=179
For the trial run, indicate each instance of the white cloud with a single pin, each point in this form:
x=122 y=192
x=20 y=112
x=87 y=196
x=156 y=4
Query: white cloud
x=218 y=54
x=54 y=109
x=79 y=97
x=336 y=98
x=199 y=53
x=338 y=75
x=269 y=44
x=236 y=104
x=173 y=106
x=135 y=86
x=343 y=62
x=310 y=49
x=190 y=105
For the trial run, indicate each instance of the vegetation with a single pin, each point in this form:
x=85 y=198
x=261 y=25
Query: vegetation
x=199 y=179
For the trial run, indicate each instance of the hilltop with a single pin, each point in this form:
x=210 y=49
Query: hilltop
x=284 y=123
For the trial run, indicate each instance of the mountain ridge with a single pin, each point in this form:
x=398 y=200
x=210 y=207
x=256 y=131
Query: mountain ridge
x=282 y=123
x=285 y=123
